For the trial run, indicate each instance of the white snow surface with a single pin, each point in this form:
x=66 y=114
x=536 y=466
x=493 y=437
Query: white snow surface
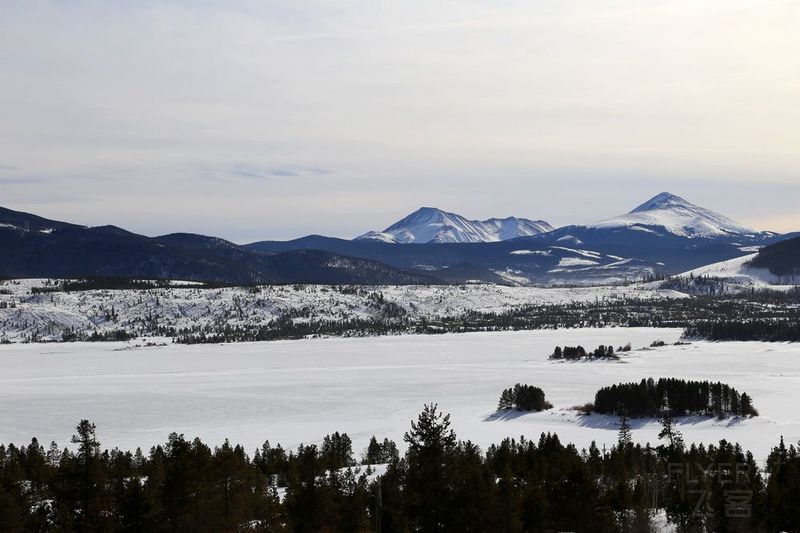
x=431 y=225
x=296 y=392
x=679 y=217
x=531 y=252
x=575 y=261
x=184 y=306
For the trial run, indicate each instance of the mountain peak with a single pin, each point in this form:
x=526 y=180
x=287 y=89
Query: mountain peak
x=664 y=200
x=423 y=215
x=669 y=213
x=433 y=225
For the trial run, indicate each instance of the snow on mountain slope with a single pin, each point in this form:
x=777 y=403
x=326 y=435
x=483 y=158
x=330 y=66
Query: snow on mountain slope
x=739 y=272
x=431 y=225
x=673 y=214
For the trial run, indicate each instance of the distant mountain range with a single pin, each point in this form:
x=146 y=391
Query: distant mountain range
x=430 y=225
x=665 y=213
x=35 y=247
x=664 y=235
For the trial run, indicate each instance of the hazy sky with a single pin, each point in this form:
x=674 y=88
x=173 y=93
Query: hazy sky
x=273 y=119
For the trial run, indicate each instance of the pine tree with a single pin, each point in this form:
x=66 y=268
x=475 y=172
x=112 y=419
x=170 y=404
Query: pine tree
x=747 y=405
x=506 y=400
x=337 y=451
x=88 y=458
x=431 y=445
x=670 y=432
x=624 y=437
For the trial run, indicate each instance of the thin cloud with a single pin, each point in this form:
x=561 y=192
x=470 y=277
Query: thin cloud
x=343 y=114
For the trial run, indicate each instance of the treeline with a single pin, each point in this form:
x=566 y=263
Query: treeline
x=746 y=330
x=650 y=398
x=667 y=313
x=523 y=398
x=439 y=484
x=91 y=284
x=579 y=352
x=285 y=327
x=117 y=335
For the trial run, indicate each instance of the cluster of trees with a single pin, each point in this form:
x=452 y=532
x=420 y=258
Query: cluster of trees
x=771 y=330
x=379 y=453
x=117 y=335
x=92 y=284
x=523 y=398
x=579 y=352
x=285 y=327
x=439 y=484
x=680 y=397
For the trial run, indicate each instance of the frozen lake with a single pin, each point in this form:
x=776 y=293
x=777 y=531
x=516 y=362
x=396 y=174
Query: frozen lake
x=299 y=391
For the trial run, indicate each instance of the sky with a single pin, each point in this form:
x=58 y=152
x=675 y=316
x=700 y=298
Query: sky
x=272 y=119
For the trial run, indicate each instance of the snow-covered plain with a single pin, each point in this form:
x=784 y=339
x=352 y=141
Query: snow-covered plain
x=299 y=391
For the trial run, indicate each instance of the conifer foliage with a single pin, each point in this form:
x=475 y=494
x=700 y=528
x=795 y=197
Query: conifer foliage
x=650 y=398
x=523 y=398
x=571 y=353
x=439 y=484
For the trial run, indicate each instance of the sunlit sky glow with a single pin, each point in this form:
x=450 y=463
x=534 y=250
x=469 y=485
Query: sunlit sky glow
x=274 y=119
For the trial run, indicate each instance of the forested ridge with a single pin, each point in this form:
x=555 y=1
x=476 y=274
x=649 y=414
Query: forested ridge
x=688 y=313
x=119 y=309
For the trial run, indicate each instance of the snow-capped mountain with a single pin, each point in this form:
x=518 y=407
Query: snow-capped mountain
x=431 y=225
x=665 y=235
x=668 y=213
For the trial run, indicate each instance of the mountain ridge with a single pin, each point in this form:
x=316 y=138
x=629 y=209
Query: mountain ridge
x=576 y=254
x=35 y=247
x=678 y=216
x=605 y=253
x=432 y=225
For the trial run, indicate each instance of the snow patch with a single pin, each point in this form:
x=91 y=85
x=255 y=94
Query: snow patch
x=531 y=252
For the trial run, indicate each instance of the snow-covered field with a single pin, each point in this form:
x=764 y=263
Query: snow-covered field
x=49 y=315
x=299 y=391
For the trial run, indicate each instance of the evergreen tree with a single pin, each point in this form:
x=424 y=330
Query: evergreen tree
x=506 y=400
x=431 y=444
x=624 y=437
x=380 y=453
x=88 y=475
x=669 y=432
x=337 y=451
